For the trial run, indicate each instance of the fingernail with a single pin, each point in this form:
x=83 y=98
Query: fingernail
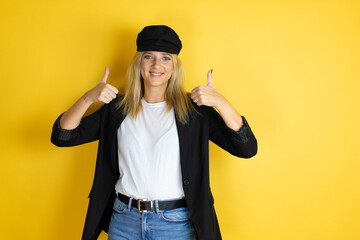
x=211 y=70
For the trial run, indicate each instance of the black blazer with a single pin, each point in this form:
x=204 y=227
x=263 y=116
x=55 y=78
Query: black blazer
x=194 y=138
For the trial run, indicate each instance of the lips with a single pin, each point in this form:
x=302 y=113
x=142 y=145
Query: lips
x=155 y=74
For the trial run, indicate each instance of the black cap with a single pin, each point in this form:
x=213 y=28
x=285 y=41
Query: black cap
x=158 y=38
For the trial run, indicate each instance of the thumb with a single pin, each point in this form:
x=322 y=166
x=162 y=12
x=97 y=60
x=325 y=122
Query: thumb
x=105 y=76
x=209 y=78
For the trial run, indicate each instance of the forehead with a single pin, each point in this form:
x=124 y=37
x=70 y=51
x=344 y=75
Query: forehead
x=156 y=53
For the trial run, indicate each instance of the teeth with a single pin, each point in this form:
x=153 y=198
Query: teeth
x=156 y=74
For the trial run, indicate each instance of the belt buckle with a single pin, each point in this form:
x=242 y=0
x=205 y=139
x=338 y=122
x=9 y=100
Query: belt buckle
x=139 y=205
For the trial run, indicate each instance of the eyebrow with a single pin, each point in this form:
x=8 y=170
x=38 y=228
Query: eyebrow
x=168 y=54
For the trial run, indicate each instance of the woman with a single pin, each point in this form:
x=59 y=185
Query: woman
x=152 y=171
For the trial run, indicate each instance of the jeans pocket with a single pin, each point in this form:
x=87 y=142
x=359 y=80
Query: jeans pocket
x=119 y=207
x=175 y=215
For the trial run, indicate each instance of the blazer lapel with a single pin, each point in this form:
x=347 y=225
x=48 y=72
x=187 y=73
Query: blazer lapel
x=115 y=121
x=183 y=133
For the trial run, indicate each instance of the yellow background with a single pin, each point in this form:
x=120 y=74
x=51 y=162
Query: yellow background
x=290 y=67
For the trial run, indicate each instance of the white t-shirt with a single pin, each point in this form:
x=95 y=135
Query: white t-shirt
x=149 y=155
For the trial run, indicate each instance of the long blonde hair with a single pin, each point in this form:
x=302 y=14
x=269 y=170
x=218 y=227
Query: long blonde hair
x=175 y=96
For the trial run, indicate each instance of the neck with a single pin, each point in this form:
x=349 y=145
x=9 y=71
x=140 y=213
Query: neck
x=154 y=95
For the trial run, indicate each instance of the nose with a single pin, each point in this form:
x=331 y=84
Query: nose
x=156 y=62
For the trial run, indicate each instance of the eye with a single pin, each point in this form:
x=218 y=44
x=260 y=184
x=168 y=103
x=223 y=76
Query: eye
x=147 y=56
x=167 y=58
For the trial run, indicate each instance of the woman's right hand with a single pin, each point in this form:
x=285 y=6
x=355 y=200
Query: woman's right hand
x=102 y=92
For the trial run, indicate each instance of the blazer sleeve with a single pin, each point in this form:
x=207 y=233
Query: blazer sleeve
x=86 y=131
x=240 y=143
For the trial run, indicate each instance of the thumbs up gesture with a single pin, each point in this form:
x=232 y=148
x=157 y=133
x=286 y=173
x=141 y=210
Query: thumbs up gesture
x=207 y=95
x=102 y=92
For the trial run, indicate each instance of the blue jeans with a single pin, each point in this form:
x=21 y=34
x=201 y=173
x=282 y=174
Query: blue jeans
x=127 y=223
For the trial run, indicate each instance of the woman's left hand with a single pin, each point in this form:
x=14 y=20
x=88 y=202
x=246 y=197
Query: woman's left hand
x=207 y=95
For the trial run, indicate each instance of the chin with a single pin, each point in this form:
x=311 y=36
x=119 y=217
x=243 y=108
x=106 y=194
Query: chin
x=157 y=82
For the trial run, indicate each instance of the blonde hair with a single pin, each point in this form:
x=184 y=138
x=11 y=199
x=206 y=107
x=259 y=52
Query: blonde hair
x=175 y=96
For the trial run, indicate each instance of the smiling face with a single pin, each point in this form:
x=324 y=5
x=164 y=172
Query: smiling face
x=156 y=69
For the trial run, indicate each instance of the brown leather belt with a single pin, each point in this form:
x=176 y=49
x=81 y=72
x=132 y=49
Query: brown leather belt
x=143 y=206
